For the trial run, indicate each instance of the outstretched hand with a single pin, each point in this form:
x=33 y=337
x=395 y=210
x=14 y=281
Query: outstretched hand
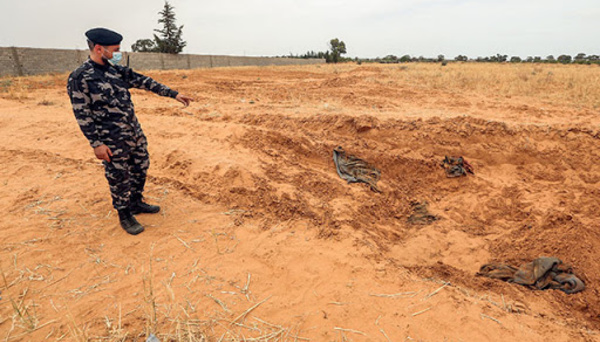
x=184 y=99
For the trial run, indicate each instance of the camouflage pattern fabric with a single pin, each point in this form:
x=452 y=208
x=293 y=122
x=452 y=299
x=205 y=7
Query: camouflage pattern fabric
x=102 y=106
x=456 y=167
x=421 y=214
x=542 y=273
x=126 y=172
x=355 y=170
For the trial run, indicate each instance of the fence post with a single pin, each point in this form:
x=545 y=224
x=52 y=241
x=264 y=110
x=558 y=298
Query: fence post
x=17 y=61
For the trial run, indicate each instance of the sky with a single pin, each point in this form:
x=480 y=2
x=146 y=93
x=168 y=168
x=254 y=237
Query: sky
x=369 y=28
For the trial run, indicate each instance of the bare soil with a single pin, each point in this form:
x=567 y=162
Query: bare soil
x=260 y=239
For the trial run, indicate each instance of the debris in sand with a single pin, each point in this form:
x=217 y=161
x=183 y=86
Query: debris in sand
x=421 y=214
x=420 y=312
x=492 y=318
x=542 y=273
x=436 y=291
x=456 y=167
x=152 y=338
x=355 y=170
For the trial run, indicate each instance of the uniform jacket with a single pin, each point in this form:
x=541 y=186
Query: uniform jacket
x=102 y=102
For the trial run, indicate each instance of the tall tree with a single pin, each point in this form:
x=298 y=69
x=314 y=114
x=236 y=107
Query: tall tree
x=170 y=40
x=338 y=48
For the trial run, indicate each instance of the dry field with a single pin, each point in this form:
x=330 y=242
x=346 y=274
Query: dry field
x=260 y=240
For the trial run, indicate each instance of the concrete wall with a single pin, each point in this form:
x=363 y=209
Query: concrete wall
x=15 y=61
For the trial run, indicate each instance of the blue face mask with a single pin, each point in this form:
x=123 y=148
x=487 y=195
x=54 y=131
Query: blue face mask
x=116 y=58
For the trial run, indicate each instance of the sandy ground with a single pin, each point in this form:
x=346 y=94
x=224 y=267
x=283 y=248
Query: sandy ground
x=259 y=239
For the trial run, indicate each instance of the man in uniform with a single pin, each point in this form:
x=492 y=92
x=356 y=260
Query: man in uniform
x=99 y=92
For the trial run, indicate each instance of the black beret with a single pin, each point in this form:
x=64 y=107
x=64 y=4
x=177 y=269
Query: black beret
x=104 y=36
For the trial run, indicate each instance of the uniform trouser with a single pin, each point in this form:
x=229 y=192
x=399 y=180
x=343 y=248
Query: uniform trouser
x=126 y=172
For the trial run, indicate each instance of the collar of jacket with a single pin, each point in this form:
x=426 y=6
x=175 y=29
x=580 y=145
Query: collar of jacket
x=99 y=66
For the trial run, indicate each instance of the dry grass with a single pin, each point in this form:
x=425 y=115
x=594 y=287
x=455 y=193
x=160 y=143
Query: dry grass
x=574 y=85
x=19 y=88
x=164 y=316
x=577 y=85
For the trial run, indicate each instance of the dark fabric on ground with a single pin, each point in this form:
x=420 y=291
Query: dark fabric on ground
x=355 y=170
x=542 y=273
x=421 y=215
x=456 y=167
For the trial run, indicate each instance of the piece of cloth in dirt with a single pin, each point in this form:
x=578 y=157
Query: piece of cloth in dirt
x=456 y=167
x=542 y=273
x=421 y=214
x=355 y=170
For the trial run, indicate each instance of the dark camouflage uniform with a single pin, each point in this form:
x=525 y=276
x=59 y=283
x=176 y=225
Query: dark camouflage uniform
x=104 y=111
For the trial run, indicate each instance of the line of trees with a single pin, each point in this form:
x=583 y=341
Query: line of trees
x=580 y=58
x=337 y=48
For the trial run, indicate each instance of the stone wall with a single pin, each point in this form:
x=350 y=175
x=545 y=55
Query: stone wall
x=16 y=61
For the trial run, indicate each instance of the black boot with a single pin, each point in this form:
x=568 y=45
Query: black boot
x=129 y=223
x=139 y=207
